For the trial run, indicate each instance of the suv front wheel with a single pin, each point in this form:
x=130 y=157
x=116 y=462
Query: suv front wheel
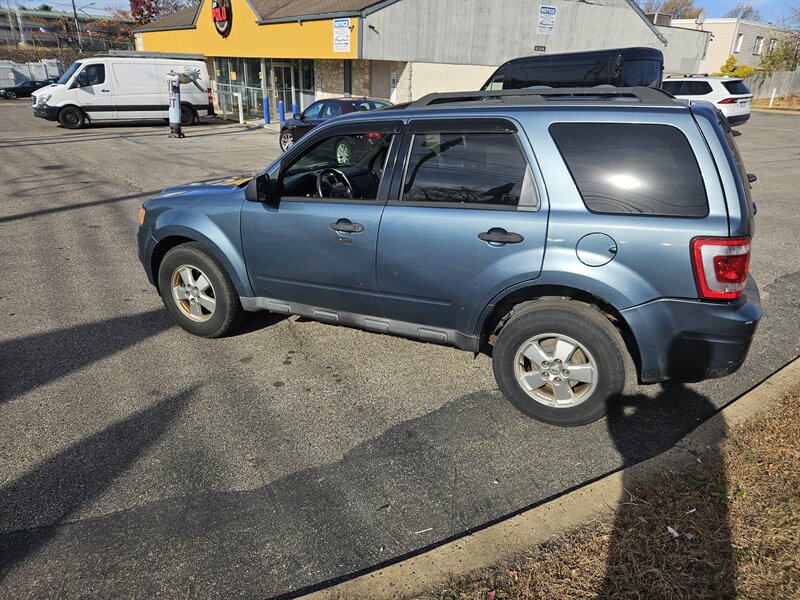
x=560 y=361
x=198 y=292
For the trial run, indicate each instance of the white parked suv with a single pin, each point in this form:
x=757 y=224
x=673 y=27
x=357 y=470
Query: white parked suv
x=729 y=94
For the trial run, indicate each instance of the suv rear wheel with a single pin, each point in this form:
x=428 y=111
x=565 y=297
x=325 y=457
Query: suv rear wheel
x=198 y=292
x=560 y=361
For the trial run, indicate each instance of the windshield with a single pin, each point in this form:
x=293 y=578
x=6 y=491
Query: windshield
x=70 y=72
x=640 y=72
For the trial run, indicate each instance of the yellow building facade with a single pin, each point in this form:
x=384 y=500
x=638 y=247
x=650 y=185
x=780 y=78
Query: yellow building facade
x=290 y=60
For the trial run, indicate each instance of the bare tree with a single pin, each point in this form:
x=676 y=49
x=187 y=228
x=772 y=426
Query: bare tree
x=680 y=9
x=785 y=54
x=742 y=10
x=649 y=6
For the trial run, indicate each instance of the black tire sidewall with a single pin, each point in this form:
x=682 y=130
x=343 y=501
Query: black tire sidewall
x=582 y=324
x=68 y=110
x=187 y=116
x=227 y=314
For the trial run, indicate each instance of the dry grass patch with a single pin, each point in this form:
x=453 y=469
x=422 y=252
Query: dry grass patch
x=729 y=527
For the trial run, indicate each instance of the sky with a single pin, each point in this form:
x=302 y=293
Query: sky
x=772 y=10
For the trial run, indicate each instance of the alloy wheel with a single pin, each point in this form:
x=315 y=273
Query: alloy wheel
x=555 y=370
x=193 y=293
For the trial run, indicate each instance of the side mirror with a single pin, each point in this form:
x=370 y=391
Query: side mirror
x=260 y=189
x=82 y=80
x=297 y=117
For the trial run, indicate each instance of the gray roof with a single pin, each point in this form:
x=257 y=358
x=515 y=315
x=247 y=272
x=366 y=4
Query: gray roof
x=270 y=10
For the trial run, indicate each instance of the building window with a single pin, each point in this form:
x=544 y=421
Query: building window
x=772 y=43
x=759 y=47
x=739 y=40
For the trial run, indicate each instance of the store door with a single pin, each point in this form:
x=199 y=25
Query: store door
x=283 y=87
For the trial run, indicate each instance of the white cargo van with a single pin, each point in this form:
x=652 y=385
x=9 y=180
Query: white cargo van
x=123 y=87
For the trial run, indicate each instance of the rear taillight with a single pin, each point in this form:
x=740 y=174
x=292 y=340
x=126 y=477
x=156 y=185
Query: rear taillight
x=210 y=97
x=727 y=101
x=721 y=266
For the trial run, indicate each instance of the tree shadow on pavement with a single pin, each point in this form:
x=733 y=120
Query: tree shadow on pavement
x=64 y=484
x=35 y=360
x=645 y=559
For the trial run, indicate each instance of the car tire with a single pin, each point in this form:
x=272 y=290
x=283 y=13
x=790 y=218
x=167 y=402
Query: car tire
x=71 y=117
x=286 y=140
x=198 y=293
x=11 y=95
x=344 y=152
x=544 y=345
x=188 y=116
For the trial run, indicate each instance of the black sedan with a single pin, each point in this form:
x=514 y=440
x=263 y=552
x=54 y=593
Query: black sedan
x=26 y=88
x=319 y=112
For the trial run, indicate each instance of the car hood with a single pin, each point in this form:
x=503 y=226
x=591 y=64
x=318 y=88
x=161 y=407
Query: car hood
x=50 y=88
x=215 y=186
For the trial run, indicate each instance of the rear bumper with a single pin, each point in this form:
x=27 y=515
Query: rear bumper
x=691 y=340
x=739 y=119
x=46 y=112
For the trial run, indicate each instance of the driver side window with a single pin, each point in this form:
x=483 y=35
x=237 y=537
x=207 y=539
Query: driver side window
x=312 y=112
x=342 y=166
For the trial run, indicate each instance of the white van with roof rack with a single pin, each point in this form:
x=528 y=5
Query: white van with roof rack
x=729 y=94
x=116 y=87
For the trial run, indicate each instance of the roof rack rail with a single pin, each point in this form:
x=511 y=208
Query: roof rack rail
x=137 y=54
x=541 y=94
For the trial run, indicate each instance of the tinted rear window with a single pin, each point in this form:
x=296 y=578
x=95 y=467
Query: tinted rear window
x=696 y=88
x=673 y=87
x=736 y=87
x=622 y=168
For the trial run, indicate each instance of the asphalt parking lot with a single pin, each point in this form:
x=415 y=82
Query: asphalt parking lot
x=139 y=461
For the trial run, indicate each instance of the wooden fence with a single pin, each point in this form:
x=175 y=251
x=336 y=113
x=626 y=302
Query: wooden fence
x=784 y=83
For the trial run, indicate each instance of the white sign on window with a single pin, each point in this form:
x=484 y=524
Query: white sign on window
x=139 y=42
x=547 y=20
x=341 y=35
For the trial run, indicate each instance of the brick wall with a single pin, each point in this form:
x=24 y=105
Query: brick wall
x=329 y=78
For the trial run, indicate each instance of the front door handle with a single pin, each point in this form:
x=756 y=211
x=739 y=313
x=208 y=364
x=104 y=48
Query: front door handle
x=347 y=225
x=105 y=90
x=498 y=235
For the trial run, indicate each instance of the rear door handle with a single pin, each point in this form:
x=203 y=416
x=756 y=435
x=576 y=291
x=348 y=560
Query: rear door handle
x=498 y=235
x=347 y=225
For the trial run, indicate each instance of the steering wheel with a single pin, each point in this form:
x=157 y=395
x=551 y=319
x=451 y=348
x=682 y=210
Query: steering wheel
x=338 y=185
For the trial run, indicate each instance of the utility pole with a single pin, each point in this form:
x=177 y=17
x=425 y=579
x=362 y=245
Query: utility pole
x=11 y=24
x=77 y=27
x=22 y=39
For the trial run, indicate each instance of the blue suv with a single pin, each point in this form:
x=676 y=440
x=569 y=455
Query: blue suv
x=572 y=234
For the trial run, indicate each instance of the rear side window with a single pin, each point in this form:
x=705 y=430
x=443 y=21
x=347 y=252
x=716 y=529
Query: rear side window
x=673 y=87
x=696 y=88
x=736 y=87
x=624 y=168
x=465 y=168
x=368 y=104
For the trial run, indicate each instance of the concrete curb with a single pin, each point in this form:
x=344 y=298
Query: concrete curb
x=512 y=536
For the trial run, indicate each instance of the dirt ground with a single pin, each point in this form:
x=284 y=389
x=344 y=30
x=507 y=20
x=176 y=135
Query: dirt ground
x=729 y=527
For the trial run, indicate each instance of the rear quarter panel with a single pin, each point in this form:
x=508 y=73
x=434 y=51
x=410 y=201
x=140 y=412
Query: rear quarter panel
x=653 y=257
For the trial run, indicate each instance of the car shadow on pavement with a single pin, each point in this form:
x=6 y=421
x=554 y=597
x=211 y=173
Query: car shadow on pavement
x=76 y=206
x=645 y=558
x=32 y=506
x=36 y=360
